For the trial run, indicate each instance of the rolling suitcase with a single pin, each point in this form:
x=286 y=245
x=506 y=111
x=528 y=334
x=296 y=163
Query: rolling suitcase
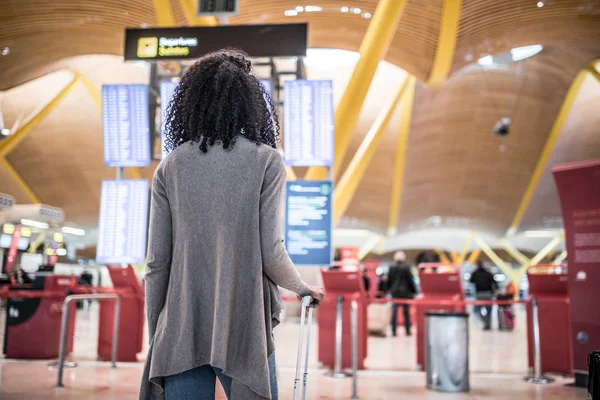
x=506 y=318
x=305 y=304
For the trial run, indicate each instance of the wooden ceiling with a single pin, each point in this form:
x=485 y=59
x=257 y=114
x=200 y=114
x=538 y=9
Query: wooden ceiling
x=456 y=168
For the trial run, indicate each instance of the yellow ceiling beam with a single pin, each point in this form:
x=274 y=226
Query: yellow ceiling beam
x=444 y=53
x=515 y=253
x=20 y=181
x=561 y=257
x=7 y=145
x=547 y=249
x=507 y=269
x=557 y=128
x=370 y=244
x=474 y=256
x=454 y=256
x=348 y=183
x=316 y=173
x=400 y=157
x=373 y=48
x=190 y=8
x=463 y=253
x=164 y=13
x=443 y=257
x=594 y=72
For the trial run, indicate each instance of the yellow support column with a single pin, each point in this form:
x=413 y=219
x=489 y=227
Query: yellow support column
x=400 y=157
x=507 y=269
x=444 y=53
x=443 y=257
x=515 y=253
x=546 y=250
x=164 y=13
x=20 y=181
x=455 y=257
x=373 y=48
x=557 y=128
x=561 y=257
x=17 y=137
x=345 y=189
x=465 y=249
x=594 y=72
x=474 y=256
x=291 y=175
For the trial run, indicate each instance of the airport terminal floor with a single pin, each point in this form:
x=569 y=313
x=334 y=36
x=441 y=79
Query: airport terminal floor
x=497 y=361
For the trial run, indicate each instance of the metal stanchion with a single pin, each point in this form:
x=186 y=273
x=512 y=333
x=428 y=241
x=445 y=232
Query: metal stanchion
x=537 y=377
x=337 y=369
x=354 y=349
x=65 y=323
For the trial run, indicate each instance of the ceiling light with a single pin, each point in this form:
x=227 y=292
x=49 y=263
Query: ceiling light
x=26 y=232
x=73 y=231
x=540 y=4
x=486 y=60
x=300 y=9
x=8 y=229
x=5 y=51
x=355 y=10
x=34 y=224
x=540 y=234
x=61 y=252
x=290 y=13
x=5 y=132
x=367 y=15
x=521 y=53
x=344 y=9
x=313 y=9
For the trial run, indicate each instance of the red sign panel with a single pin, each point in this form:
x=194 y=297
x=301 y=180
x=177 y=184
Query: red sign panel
x=579 y=191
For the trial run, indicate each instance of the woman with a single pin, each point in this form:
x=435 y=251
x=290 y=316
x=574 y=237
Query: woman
x=215 y=250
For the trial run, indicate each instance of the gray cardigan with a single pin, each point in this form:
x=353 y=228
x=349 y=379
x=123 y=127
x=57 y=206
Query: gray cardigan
x=215 y=248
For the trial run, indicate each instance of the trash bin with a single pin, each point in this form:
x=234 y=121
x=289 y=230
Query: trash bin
x=447 y=351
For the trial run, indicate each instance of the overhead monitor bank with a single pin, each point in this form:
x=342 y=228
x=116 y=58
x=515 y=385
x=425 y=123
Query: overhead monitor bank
x=286 y=40
x=126 y=125
x=123 y=222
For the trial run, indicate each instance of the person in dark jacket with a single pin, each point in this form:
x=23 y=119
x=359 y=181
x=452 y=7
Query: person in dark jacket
x=401 y=285
x=485 y=288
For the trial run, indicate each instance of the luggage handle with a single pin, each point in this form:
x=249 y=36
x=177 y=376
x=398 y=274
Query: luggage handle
x=306 y=303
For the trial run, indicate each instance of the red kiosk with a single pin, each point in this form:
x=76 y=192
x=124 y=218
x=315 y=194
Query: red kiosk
x=439 y=282
x=131 y=319
x=33 y=323
x=578 y=187
x=549 y=285
x=349 y=285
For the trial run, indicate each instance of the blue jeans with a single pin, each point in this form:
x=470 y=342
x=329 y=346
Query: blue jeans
x=199 y=383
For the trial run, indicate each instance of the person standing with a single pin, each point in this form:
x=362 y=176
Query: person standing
x=215 y=247
x=485 y=289
x=401 y=284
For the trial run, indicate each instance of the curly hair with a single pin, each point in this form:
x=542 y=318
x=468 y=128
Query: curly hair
x=218 y=99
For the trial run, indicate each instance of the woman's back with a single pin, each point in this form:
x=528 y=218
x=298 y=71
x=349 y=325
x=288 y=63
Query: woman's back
x=215 y=247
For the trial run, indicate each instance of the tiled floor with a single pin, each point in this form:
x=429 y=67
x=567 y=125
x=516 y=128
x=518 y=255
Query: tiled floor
x=34 y=380
x=497 y=360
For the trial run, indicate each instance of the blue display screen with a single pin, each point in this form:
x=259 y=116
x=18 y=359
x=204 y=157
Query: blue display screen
x=167 y=90
x=308 y=123
x=123 y=222
x=308 y=222
x=126 y=125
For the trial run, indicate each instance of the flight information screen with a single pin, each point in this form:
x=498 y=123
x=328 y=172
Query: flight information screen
x=126 y=125
x=308 y=222
x=123 y=222
x=167 y=90
x=308 y=123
